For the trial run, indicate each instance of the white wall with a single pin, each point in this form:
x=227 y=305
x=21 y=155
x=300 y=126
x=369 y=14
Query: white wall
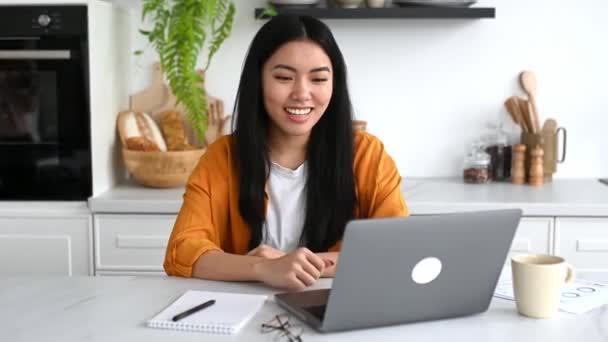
x=109 y=65
x=429 y=87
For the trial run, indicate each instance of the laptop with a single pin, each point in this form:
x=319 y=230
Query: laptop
x=401 y=270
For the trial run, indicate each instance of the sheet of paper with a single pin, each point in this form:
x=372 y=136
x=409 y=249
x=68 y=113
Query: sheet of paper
x=577 y=298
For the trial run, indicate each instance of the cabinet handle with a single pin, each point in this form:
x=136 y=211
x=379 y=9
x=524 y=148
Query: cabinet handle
x=595 y=245
x=139 y=241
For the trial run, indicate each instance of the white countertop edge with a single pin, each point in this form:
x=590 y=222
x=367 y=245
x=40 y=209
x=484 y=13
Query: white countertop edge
x=529 y=209
x=43 y=208
x=113 y=206
x=423 y=197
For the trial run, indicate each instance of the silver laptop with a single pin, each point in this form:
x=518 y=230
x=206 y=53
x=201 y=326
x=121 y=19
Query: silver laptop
x=399 y=270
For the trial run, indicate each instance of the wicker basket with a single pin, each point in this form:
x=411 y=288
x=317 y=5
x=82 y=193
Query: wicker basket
x=161 y=169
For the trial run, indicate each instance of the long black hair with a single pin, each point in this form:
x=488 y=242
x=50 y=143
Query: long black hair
x=330 y=187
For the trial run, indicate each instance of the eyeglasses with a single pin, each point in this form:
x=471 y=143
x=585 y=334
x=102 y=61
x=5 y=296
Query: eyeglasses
x=285 y=330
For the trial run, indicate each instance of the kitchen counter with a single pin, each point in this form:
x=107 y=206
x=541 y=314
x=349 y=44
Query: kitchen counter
x=562 y=197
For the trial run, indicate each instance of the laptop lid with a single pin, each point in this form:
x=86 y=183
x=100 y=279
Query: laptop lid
x=398 y=270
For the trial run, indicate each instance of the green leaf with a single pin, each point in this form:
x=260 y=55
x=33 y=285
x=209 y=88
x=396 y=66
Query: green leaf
x=220 y=35
x=138 y=52
x=179 y=33
x=268 y=12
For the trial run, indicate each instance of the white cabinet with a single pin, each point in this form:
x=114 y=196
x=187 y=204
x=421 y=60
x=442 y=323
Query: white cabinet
x=583 y=242
x=46 y=244
x=125 y=244
x=534 y=235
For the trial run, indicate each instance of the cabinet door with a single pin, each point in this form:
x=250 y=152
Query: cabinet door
x=583 y=242
x=131 y=242
x=534 y=235
x=54 y=245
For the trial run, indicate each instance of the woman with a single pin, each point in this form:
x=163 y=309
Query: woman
x=270 y=202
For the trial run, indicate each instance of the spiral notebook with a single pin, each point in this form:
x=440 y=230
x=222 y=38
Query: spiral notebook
x=228 y=315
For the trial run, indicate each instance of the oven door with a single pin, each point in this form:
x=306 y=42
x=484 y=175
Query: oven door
x=44 y=122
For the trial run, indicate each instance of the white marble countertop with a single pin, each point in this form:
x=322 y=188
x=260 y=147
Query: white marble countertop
x=70 y=309
x=562 y=197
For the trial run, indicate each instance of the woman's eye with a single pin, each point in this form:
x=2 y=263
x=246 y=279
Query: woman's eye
x=282 y=78
x=319 y=80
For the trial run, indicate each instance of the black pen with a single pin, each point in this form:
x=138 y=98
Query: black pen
x=193 y=310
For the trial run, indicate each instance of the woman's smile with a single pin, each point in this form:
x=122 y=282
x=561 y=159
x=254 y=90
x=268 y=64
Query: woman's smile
x=298 y=114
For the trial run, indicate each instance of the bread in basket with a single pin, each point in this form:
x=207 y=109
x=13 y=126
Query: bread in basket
x=147 y=157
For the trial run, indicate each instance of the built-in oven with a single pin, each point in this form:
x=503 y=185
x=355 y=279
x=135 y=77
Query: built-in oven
x=45 y=151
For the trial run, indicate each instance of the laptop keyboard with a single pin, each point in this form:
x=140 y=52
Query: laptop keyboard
x=317 y=311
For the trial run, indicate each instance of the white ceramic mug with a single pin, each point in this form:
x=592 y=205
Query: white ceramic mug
x=537 y=283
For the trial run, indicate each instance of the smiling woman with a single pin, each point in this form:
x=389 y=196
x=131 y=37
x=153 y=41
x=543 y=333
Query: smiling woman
x=270 y=202
x=297 y=83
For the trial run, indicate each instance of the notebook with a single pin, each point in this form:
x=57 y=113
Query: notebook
x=228 y=315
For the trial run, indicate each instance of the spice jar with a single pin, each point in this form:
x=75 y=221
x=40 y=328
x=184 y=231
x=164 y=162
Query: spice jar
x=500 y=156
x=477 y=165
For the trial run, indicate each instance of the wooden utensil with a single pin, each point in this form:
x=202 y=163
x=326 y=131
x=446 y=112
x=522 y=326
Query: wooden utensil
x=532 y=118
x=550 y=125
x=524 y=109
x=512 y=106
x=527 y=80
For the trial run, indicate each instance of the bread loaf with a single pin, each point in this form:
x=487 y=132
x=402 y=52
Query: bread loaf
x=139 y=125
x=173 y=130
x=141 y=144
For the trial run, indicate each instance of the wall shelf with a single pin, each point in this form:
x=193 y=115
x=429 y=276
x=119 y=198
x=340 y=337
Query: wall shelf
x=410 y=12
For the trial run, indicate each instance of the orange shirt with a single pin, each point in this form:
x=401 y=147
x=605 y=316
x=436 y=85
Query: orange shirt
x=209 y=218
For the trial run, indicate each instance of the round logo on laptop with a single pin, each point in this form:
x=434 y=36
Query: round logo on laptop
x=426 y=270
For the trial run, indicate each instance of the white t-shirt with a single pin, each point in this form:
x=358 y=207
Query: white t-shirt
x=286 y=207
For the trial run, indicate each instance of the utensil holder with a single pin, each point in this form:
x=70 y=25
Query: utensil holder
x=549 y=142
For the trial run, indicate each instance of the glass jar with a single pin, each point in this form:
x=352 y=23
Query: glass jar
x=476 y=165
x=500 y=155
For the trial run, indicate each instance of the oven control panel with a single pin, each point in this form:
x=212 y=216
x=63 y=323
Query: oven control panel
x=43 y=20
x=47 y=21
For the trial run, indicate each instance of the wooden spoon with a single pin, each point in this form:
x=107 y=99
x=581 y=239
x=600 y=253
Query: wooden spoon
x=532 y=119
x=527 y=80
x=512 y=106
x=524 y=109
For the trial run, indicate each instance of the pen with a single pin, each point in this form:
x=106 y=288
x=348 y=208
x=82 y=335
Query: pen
x=193 y=310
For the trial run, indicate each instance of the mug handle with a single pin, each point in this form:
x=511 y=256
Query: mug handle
x=570 y=275
x=561 y=160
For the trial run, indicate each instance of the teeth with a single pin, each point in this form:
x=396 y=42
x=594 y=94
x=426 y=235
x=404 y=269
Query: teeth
x=298 y=111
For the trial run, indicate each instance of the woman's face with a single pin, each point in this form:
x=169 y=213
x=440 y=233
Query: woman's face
x=297 y=82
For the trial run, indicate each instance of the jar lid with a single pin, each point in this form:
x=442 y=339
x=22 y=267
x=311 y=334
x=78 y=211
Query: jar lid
x=481 y=161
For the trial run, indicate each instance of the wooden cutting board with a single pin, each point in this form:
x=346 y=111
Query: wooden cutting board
x=154 y=96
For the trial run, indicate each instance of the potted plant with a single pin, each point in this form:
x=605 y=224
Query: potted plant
x=182 y=30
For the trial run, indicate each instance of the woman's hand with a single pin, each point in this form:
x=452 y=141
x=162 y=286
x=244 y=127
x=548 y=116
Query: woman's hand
x=294 y=271
x=331 y=261
x=266 y=252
